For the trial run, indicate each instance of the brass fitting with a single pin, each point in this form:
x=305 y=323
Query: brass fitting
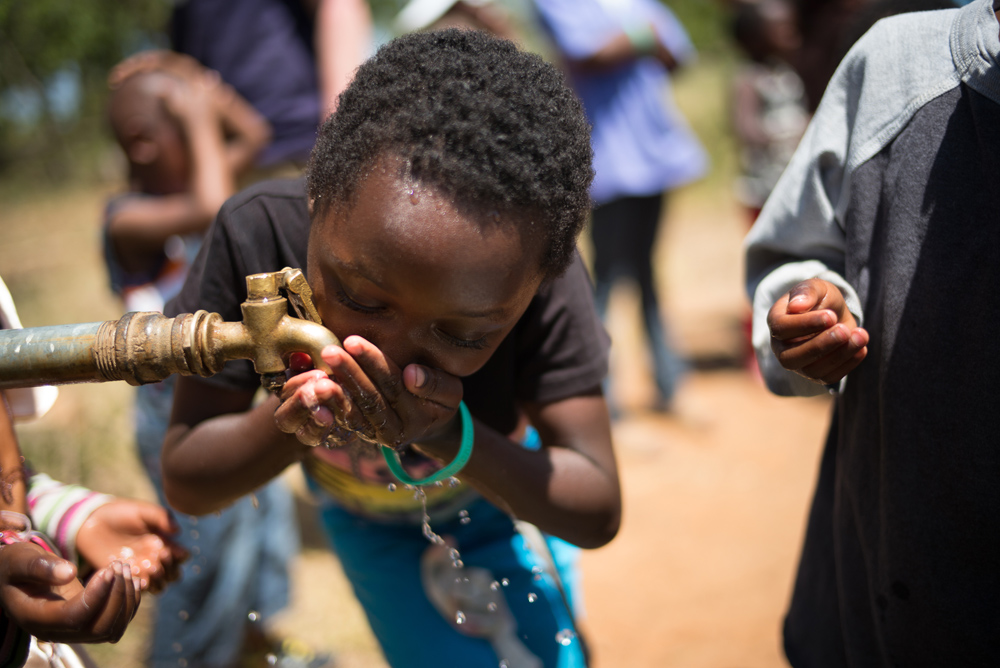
x=145 y=347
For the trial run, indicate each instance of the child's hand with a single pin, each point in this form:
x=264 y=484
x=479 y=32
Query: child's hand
x=41 y=594
x=136 y=532
x=177 y=64
x=367 y=396
x=813 y=333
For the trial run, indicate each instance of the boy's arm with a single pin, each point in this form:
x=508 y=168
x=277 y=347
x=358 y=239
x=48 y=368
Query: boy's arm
x=343 y=37
x=590 y=41
x=13 y=481
x=219 y=448
x=247 y=131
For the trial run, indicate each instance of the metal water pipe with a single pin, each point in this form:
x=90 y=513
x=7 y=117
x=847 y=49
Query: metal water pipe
x=147 y=347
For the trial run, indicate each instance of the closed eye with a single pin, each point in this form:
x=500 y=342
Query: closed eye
x=354 y=305
x=475 y=344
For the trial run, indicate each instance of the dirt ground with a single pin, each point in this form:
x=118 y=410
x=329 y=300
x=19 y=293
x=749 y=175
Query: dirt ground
x=715 y=494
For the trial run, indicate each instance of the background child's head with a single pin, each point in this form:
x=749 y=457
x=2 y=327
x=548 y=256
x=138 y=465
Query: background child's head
x=472 y=117
x=766 y=29
x=151 y=137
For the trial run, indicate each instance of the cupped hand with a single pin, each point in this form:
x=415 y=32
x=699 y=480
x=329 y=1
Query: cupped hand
x=41 y=594
x=814 y=334
x=137 y=532
x=368 y=397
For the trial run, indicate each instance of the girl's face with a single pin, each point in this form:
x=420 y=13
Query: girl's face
x=424 y=281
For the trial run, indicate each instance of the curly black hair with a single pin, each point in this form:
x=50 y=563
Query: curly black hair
x=473 y=117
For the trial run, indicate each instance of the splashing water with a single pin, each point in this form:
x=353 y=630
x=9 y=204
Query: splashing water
x=565 y=637
x=459 y=617
x=504 y=664
x=391 y=487
x=435 y=539
x=532 y=597
x=272 y=659
x=254 y=501
x=463 y=517
x=492 y=607
x=505 y=582
x=454 y=482
x=495 y=586
x=253 y=616
x=184 y=615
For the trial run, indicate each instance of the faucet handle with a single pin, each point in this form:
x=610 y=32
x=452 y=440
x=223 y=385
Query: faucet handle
x=300 y=294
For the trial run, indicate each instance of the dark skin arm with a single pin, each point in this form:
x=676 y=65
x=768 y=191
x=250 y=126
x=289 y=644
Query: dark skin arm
x=620 y=50
x=569 y=489
x=13 y=483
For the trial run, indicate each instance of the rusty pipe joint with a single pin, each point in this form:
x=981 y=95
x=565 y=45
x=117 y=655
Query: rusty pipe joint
x=147 y=347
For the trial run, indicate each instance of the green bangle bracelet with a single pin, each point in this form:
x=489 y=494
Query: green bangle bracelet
x=457 y=464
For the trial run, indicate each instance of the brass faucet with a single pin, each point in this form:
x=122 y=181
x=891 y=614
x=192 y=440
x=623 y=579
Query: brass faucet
x=146 y=347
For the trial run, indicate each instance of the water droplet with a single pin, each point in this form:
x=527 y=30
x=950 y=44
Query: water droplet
x=532 y=597
x=147 y=564
x=495 y=216
x=492 y=607
x=195 y=550
x=182 y=663
x=454 y=482
x=504 y=664
x=253 y=616
x=414 y=197
x=391 y=487
x=177 y=647
x=254 y=501
x=565 y=637
x=505 y=582
x=272 y=660
x=495 y=586
x=194 y=534
x=459 y=617
x=463 y=517
x=127 y=552
x=537 y=577
x=193 y=520
x=184 y=615
x=458 y=563
x=536 y=569
x=196 y=569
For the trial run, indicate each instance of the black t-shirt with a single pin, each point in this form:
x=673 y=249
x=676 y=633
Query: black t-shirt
x=558 y=349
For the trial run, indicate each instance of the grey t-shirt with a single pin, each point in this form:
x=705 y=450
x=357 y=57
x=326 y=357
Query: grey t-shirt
x=893 y=195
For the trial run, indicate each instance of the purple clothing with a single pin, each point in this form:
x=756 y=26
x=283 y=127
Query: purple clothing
x=264 y=49
x=642 y=145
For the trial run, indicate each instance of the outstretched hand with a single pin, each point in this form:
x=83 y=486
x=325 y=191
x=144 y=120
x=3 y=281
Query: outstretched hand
x=814 y=334
x=367 y=397
x=136 y=531
x=40 y=593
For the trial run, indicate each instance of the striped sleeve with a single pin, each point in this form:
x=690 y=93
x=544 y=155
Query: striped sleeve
x=59 y=510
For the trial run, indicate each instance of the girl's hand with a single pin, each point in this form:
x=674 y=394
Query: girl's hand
x=41 y=594
x=135 y=531
x=814 y=334
x=367 y=397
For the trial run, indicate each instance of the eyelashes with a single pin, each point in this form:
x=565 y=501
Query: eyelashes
x=470 y=344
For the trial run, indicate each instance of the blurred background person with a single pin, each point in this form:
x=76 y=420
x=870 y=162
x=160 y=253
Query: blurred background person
x=289 y=58
x=769 y=106
x=187 y=137
x=619 y=55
